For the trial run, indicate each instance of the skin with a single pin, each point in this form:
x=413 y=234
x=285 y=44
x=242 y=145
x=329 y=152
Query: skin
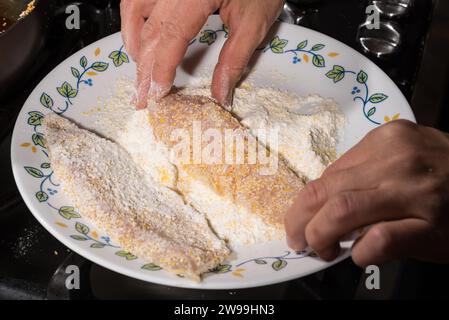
x=156 y=33
x=395 y=183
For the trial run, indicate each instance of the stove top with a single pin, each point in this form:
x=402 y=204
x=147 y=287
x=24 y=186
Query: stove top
x=32 y=262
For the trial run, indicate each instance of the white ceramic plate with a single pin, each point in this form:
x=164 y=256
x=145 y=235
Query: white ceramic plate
x=296 y=59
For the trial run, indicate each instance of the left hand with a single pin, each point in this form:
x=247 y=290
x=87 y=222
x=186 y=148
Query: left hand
x=396 y=183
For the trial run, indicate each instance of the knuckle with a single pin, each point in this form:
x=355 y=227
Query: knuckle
x=313 y=192
x=398 y=128
x=411 y=159
x=382 y=239
x=172 y=30
x=407 y=159
x=149 y=30
x=342 y=207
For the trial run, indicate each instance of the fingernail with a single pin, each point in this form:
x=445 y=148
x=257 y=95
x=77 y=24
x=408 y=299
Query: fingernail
x=229 y=100
x=294 y=245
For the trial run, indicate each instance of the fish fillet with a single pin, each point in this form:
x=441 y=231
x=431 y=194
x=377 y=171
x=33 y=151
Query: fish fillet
x=109 y=189
x=243 y=204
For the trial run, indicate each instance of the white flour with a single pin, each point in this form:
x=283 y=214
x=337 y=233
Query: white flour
x=308 y=126
x=308 y=131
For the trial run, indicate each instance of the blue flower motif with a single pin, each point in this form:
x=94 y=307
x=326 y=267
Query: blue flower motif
x=88 y=82
x=355 y=90
x=296 y=60
x=52 y=191
x=106 y=238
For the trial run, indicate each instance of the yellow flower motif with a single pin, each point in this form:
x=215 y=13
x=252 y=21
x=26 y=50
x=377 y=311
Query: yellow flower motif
x=27 y=144
x=94 y=234
x=97 y=52
x=395 y=117
x=91 y=73
x=238 y=272
x=305 y=57
x=333 y=54
x=62 y=225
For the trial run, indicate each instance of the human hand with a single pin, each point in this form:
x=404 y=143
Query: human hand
x=156 y=33
x=396 y=180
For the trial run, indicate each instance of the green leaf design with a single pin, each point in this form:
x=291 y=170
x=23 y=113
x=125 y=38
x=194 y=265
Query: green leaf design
x=302 y=45
x=318 y=47
x=226 y=30
x=125 y=254
x=221 y=268
x=130 y=256
x=68 y=212
x=46 y=100
x=121 y=253
x=208 y=36
x=79 y=238
x=66 y=90
x=36 y=114
x=38 y=140
x=337 y=73
x=35 y=118
x=83 y=61
x=97 y=245
x=41 y=196
x=279 y=264
x=34 y=121
x=318 y=61
x=260 y=261
x=362 y=77
x=100 y=66
x=34 y=172
x=277 y=45
x=151 y=267
x=45 y=165
x=378 y=98
x=371 y=111
x=75 y=72
x=81 y=228
x=118 y=58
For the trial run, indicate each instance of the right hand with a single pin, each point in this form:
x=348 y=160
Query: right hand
x=156 y=34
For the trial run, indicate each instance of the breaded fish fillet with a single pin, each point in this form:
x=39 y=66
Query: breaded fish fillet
x=244 y=204
x=109 y=189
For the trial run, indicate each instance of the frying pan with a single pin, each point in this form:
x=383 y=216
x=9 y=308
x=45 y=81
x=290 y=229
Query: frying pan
x=22 y=41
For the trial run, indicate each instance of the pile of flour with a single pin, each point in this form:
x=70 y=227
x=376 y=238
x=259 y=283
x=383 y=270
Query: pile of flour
x=309 y=127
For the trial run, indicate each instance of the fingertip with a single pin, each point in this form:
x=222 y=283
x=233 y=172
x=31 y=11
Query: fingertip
x=296 y=244
x=331 y=253
x=141 y=104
